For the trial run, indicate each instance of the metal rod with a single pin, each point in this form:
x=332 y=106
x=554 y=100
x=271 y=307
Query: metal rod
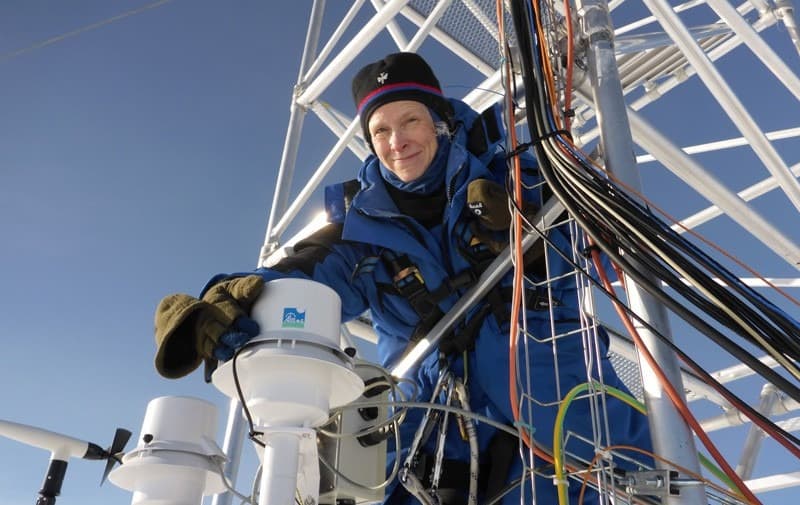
x=453 y=45
x=338 y=125
x=755 y=437
x=546 y=216
x=722 y=92
x=291 y=145
x=316 y=178
x=333 y=40
x=717 y=145
x=735 y=417
x=428 y=25
x=394 y=30
x=655 y=92
x=756 y=44
x=235 y=427
x=350 y=51
x=693 y=174
x=747 y=194
x=670 y=434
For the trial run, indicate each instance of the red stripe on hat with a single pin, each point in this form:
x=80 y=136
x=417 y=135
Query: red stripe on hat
x=398 y=86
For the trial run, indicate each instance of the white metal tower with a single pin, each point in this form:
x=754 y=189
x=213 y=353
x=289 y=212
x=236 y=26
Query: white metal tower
x=712 y=99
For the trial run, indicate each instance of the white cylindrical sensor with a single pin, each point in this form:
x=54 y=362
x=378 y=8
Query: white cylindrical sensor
x=299 y=309
x=172 y=463
x=294 y=371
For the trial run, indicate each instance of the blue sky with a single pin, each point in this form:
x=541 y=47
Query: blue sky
x=137 y=159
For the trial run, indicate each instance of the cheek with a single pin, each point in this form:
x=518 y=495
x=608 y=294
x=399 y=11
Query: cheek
x=432 y=146
x=381 y=151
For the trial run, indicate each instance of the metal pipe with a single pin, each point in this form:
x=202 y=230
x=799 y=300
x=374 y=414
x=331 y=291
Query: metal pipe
x=394 y=31
x=733 y=417
x=784 y=10
x=316 y=178
x=546 y=216
x=655 y=92
x=747 y=194
x=333 y=40
x=756 y=44
x=697 y=389
x=429 y=24
x=291 y=144
x=450 y=43
x=755 y=437
x=651 y=19
x=235 y=427
x=350 y=51
x=717 y=145
x=232 y=447
x=726 y=98
x=338 y=124
x=670 y=434
x=693 y=174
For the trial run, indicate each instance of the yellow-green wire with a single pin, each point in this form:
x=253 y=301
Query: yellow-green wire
x=558 y=430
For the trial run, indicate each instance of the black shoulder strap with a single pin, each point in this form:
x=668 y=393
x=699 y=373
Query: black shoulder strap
x=338 y=199
x=485 y=133
x=351 y=189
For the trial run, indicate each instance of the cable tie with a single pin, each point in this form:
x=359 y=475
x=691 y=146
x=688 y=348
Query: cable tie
x=604 y=453
x=519 y=150
x=587 y=251
x=553 y=134
x=527 y=145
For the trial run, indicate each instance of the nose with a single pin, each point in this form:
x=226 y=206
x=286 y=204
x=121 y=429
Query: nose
x=398 y=140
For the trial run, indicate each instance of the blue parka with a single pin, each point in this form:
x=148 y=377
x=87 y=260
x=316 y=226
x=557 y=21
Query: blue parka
x=348 y=257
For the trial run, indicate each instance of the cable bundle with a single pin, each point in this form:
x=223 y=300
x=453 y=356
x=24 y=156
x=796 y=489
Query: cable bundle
x=647 y=249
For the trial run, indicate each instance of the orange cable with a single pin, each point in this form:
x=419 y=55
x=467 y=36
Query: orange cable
x=668 y=388
x=569 y=68
x=513 y=328
x=692 y=232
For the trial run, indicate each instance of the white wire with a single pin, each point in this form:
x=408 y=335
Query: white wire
x=59 y=38
x=228 y=485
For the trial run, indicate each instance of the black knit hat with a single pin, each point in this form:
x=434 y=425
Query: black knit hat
x=398 y=76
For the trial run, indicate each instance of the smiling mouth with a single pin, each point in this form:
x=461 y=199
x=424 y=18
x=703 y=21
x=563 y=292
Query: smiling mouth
x=406 y=158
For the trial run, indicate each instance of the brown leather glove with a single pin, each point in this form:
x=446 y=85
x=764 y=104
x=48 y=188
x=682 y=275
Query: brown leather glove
x=187 y=330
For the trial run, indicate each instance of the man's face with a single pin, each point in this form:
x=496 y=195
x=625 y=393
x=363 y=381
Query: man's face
x=404 y=138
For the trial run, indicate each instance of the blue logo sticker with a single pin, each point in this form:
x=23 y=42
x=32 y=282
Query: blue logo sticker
x=293 y=318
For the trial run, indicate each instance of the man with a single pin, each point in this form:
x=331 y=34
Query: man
x=404 y=243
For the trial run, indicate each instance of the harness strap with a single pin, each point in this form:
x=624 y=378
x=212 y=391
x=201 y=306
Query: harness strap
x=484 y=133
x=503 y=448
x=492 y=475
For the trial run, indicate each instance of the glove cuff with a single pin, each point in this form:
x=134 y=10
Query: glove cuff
x=176 y=354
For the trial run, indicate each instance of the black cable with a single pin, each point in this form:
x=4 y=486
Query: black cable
x=758 y=323
x=667 y=238
x=252 y=433
x=644 y=281
x=634 y=211
x=532 y=97
x=706 y=377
